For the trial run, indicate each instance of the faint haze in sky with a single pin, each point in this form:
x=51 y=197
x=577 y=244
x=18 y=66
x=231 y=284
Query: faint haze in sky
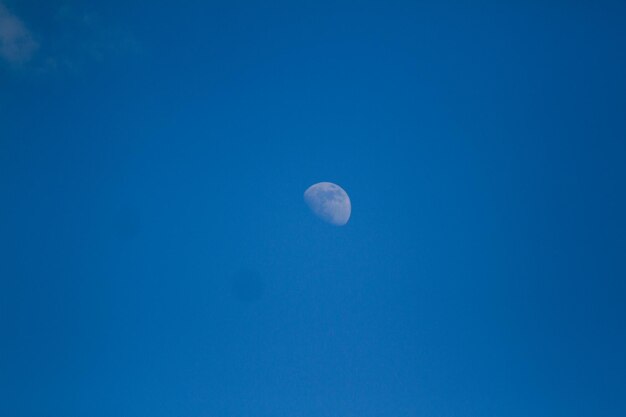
x=16 y=42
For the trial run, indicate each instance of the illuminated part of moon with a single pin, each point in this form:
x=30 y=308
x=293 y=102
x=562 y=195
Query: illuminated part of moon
x=329 y=202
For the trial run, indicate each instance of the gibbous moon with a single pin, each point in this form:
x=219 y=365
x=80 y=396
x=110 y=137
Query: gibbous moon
x=329 y=202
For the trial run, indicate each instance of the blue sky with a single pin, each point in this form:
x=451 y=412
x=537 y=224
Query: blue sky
x=157 y=257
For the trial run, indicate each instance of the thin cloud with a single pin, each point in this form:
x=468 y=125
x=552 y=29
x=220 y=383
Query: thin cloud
x=17 y=45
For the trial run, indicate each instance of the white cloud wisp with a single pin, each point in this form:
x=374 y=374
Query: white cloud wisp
x=17 y=45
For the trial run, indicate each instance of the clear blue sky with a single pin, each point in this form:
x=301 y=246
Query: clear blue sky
x=157 y=258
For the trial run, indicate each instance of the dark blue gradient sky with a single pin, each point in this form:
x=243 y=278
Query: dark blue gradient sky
x=157 y=257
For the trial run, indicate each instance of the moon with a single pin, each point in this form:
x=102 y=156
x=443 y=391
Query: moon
x=329 y=202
